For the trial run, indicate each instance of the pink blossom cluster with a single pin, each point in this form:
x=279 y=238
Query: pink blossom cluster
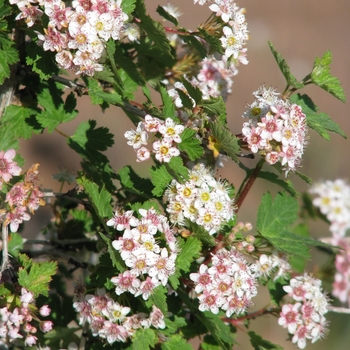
x=16 y=322
x=333 y=200
x=108 y=319
x=164 y=148
x=235 y=31
x=22 y=196
x=77 y=33
x=304 y=317
x=229 y=284
x=203 y=200
x=272 y=265
x=213 y=80
x=276 y=129
x=148 y=248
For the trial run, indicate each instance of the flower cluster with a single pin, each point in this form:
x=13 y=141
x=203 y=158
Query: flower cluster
x=78 y=33
x=108 y=319
x=276 y=129
x=22 y=196
x=304 y=317
x=229 y=283
x=163 y=148
x=333 y=200
x=235 y=31
x=16 y=323
x=148 y=247
x=202 y=200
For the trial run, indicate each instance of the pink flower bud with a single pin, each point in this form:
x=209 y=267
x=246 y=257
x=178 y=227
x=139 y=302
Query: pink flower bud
x=250 y=248
x=45 y=311
x=250 y=239
x=46 y=326
x=30 y=340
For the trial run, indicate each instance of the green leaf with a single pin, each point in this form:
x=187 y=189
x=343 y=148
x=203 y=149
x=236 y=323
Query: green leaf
x=190 y=144
x=177 y=169
x=5 y=9
x=100 y=97
x=320 y=122
x=273 y=178
x=321 y=77
x=290 y=78
x=276 y=290
x=154 y=30
x=274 y=218
x=215 y=107
x=18 y=117
x=55 y=110
x=214 y=42
x=168 y=103
x=193 y=91
x=134 y=183
x=176 y=342
x=218 y=329
x=228 y=143
x=128 y=6
x=42 y=62
x=160 y=179
x=185 y=99
x=7 y=138
x=15 y=244
x=114 y=255
x=99 y=198
x=104 y=270
x=158 y=298
x=8 y=57
x=189 y=251
x=145 y=205
x=193 y=42
x=259 y=343
x=144 y=339
x=173 y=326
x=35 y=276
x=161 y=11
x=201 y=233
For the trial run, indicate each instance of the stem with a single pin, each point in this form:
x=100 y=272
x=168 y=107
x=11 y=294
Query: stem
x=5 y=255
x=269 y=310
x=339 y=310
x=62 y=133
x=248 y=184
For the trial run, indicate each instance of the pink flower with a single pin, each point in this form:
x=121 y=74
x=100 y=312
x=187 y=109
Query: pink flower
x=46 y=326
x=289 y=317
x=45 y=311
x=8 y=167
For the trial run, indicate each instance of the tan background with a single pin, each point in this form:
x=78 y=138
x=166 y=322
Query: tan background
x=299 y=30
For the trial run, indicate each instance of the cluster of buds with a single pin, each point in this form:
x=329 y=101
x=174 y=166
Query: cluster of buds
x=333 y=200
x=229 y=283
x=16 y=319
x=22 y=196
x=304 y=317
x=148 y=248
x=164 y=148
x=108 y=319
x=78 y=33
x=202 y=200
x=235 y=237
x=276 y=129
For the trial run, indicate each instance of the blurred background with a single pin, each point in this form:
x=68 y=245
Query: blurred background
x=300 y=30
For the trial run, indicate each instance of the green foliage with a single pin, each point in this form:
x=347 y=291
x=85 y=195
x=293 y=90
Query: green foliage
x=320 y=122
x=176 y=342
x=214 y=42
x=154 y=30
x=15 y=244
x=115 y=257
x=128 y=6
x=173 y=326
x=8 y=56
x=158 y=298
x=161 y=11
x=276 y=290
x=144 y=339
x=42 y=62
x=321 y=77
x=259 y=343
x=215 y=107
x=282 y=64
x=55 y=111
x=274 y=219
x=190 y=144
x=160 y=179
x=227 y=142
x=35 y=276
x=168 y=104
x=133 y=183
x=18 y=119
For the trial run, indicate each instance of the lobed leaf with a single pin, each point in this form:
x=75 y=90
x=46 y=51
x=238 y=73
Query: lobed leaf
x=168 y=103
x=160 y=179
x=144 y=339
x=158 y=298
x=190 y=144
x=259 y=343
x=36 y=276
x=320 y=122
x=282 y=64
x=176 y=342
x=321 y=77
x=165 y=14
